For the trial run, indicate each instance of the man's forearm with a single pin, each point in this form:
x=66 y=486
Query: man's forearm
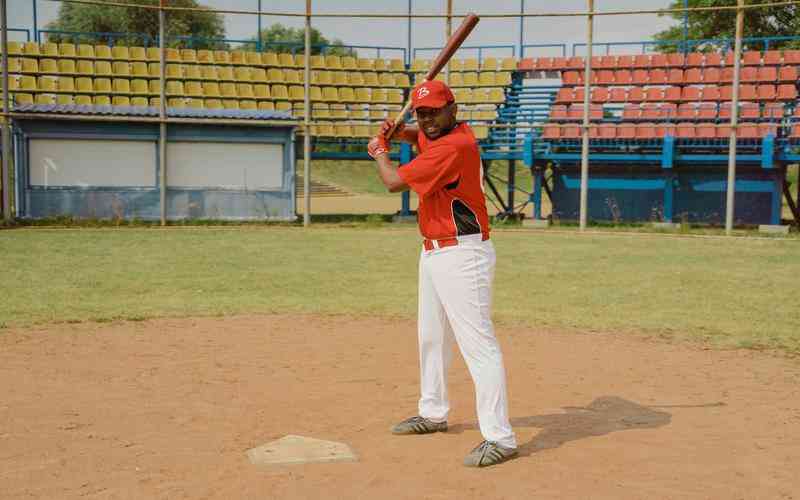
x=388 y=174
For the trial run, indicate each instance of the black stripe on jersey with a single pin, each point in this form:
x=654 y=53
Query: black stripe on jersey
x=465 y=219
x=453 y=184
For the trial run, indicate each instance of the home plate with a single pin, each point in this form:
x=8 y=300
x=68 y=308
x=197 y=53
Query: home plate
x=300 y=450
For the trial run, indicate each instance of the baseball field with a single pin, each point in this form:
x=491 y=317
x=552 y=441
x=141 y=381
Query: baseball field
x=145 y=362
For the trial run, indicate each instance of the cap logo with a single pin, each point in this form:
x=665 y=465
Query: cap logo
x=422 y=92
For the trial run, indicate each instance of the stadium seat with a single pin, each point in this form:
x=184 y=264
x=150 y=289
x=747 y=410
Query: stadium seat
x=750 y=58
x=658 y=61
x=340 y=78
x=618 y=95
x=489 y=64
x=242 y=74
x=174 y=88
x=45 y=99
x=653 y=94
x=707 y=111
x=551 y=131
x=527 y=64
x=749 y=111
x=687 y=111
x=603 y=77
x=600 y=94
x=673 y=94
x=726 y=75
x=651 y=111
x=665 y=129
x=29 y=65
x=120 y=100
x=371 y=79
x=85 y=100
x=225 y=73
x=690 y=94
x=394 y=65
x=791 y=57
x=47 y=84
x=675 y=76
x=84 y=85
x=787 y=92
x=570 y=131
x=623 y=77
x=349 y=63
x=120 y=68
x=48 y=66
x=557 y=63
x=356 y=79
x=631 y=112
x=140 y=87
x=571 y=78
x=641 y=77
x=788 y=74
x=558 y=112
x=675 y=59
x=774 y=110
x=766 y=92
x=66 y=84
x=685 y=130
x=136 y=54
x=23 y=98
x=549 y=63
x=564 y=94
x=641 y=61
x=508 y=64
x=765 y=129
x=237 y=57
x=712 y=59
x=694 y=59
x=15 y=65
x=274 y=75
x=795 y=133
x=749 y=74
x=636 y=94
x=347 y=94
x=120 y=53
x=286 y=60
x=645 y=131
x=205 y=56
x=626 y=131
x=709 y=93
x=711 y=75
x=101 y=100
x=261 y=91
x=748 y=131
x=578 y=94
x=270 y=59
x=211 y=89
x=772 y=57
x=67 y=50
x=85 y=51
x=210 y=73
x=767 y=74
x=705 y=130
x=693 y=75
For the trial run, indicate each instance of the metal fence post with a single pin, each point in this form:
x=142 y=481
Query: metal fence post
x=307 y=121
x=448 y=33
x=587 y=79
x=5 y=166
x=162 y=113
x=737 y=52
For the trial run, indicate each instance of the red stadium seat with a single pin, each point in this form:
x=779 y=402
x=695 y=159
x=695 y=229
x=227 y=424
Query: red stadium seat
x=709 y=93
x=795 y=131
x=726 y=75
x=672 y=94
x=747 y=92
x=605 y=77
x=641 y=77
x=675 y=76
x=645 y=131
x=791 y=57
x=546 y=63
x=772 y=57
x=658 y=61
x=636 y=94
x=626 y=131
x=600 y=94
x=788 y=74
x=558 y=112
x=559 y=64
x=641 y=61
x=774 y=110
x=728 y=61
x=651 y=111
x=711 y=75
x=631 y=112
x=625 y=62
x=597 y=62
x=748 y=130
x=707 y=111
x=653 y=94
x=687 y=111
x=618 y=95
x=607 y=131
x=712 y=59
x=576 y=62
x=705 y=130
x=675 y=59
x=576 y=112
x=658 y=76
x=623 y=77
x=571 y=132
x=796 y=112
x=767 y=74
x=578 y=95
x=693 y=75
x=751 y=58
x=694 y=59
x=749 y=111
x=786 y=91
x=608 y=62
x=564 y=94
x=594 y=131
x=723 y=131
x=551 y=131
x=725 y=110
x=528 y=64
x=749 y=74
x=766 y=92
x=690 y=94
x=571 y=78
x=664 y=129
x=765 y=129
x=685 y=130
x=669 y=110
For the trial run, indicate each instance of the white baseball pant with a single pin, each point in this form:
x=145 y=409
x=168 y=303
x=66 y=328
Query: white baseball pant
x=455 y=299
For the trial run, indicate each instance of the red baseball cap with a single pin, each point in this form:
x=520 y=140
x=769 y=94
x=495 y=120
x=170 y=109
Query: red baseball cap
x=432 y=94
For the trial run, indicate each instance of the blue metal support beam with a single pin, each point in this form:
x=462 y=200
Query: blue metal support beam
x=405 y=157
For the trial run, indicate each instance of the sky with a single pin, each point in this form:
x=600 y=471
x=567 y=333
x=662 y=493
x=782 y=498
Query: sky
x=424 y=32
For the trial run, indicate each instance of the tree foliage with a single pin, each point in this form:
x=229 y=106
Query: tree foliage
x=106 y=19
x=280 y=38
x=783 y=20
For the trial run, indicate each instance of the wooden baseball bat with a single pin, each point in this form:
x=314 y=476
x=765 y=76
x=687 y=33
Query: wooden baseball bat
x=463 y=31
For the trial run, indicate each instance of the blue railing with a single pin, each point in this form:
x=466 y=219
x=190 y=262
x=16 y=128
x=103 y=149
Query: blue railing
x=21 y=30
x=562 y=46
x=752 y=43
x=479 y=48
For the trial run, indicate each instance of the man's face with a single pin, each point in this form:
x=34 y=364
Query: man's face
x=436 y=122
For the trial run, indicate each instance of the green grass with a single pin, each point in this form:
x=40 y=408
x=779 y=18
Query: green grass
x=730 y=292
x=356 y=176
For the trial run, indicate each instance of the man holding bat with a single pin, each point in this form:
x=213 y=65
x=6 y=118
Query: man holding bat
x=456 y=268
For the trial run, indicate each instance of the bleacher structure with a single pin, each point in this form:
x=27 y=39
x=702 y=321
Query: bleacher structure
x=658 y=138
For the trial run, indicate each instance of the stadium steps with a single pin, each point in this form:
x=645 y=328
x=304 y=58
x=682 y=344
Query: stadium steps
x=320 y=189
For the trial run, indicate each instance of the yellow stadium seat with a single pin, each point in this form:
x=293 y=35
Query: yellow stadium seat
x=192 y=72
x=30 y=65
x=274 y=75
x=320 y=110
x=14 y=65
x=340 y=78
x=508 y=64
x=342 y=130
x=123 y=86
x=155 y=88
x=470 y=64
x=230 y=104
x=20 y=99
x=66 y=84
x=172 y=55
x=14 y=48
x=371 y=79
x=496 y=95
x=50 y=49
x=140 y=102
x=326 y=129
x=319 y=78
x=225 y=73
x=419 y=77
x=380 y=65
x=67 y=50
x=120 y=68
x=463 y=96
x=395 y=95
x=396 y=65
x=86 y=51
x=365 y=64
x=266 y=106
x=211 y=89
x=261 y=91
x=480 y=96
x=318 y=62
x=286 y=60
x=31 y=49
x=489 y=64
x=139 y=87
x=228 y=90
x=316 y=94
x=470 y=79
x=242 y=74
x=153 y=54
x=503 y=78
x=238 y=57
x=401 y=80
x=333 y=62
x=67 y=66
x=101 y=100
x=213 y=104
x=279 y=92
x=420 y=65
x=339 y=111
x=300 y=61
x=296 y=93
x=245 y=90
x=103 y=68
x=120 y=100
x=209 y=73
x=102 y=52
x=176 y=102
x=386 y=80
x=194 y=89
x=248 y=105
x=188 y=56
x=487 y=79
x=359 y=113
x=379 y=96
x=356 y=79
x=456 y=80
x=298 y=110
x=85 y=67
x=377 y=112
x=205 y=56
x=221 y=57
x=120 y=52
x=330 y=94
x=83 y=100
x=464 y=114
x=47 y=84
x=361 y=131
x=137 y=54
x=258 y=75
x=48 y=66
x=194 y=103
x=481 y=131
x=283 y=106
x=45 y=99
x=346 y=94
x=155 y=102
x=269 y=59
x=174 y=71
x=363 y=95
x=84 y=85
x=293 y=76
x=456 y=65
x=349 y=63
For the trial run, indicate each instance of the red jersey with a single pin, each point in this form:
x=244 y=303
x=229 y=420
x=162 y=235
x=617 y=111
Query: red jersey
x=448 y=177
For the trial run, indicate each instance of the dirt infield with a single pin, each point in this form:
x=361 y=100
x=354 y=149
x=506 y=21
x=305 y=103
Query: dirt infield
x=167 y=409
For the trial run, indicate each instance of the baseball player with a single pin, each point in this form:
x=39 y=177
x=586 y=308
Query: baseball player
x=456 y=268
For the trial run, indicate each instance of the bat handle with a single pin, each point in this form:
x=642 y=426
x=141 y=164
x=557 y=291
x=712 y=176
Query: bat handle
x=399 y=119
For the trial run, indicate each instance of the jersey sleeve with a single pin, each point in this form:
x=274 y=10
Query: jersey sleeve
x=435 y=168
